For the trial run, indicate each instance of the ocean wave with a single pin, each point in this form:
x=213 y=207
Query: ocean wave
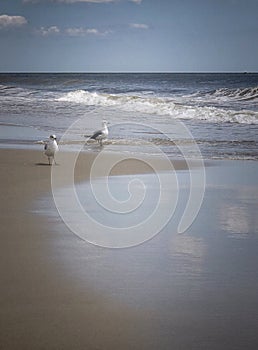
x=125 y=102
x=13 y=92
x=4 y=87
x=218 y=115
x=176 y=108
x=244 y=94
x=219 y=106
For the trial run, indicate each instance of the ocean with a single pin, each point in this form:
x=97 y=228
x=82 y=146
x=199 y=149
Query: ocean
x=216 y=112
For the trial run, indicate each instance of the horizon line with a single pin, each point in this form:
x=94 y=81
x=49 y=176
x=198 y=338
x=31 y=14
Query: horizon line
x=128 y=72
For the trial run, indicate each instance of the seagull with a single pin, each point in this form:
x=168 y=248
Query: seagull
x=100 y=135
x=51 y=148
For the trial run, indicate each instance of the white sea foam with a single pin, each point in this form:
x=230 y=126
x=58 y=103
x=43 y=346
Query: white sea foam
x=162 y=106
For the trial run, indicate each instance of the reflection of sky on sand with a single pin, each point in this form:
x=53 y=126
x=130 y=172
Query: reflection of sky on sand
x=188 y=252
x=239 y=217
x=232 y=192
x=234 y=219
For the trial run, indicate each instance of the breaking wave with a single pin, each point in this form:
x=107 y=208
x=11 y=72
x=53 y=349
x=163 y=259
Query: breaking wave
x=223 y=105
x=176 y=108
x=246 y=94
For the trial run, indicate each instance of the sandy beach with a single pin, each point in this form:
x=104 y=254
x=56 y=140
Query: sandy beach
x=41 y=306
x=192 y=291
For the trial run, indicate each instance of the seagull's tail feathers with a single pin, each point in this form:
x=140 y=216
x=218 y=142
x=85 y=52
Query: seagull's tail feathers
x=87 y=138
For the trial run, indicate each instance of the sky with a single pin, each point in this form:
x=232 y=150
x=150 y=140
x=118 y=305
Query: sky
x=128 y=35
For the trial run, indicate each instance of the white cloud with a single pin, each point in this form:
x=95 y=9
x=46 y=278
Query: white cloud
x=92 y=31
x=137 y=1
x=12 y=21
x=139 y=26
x=74 y=31
x=85 y=31
x=48 y=31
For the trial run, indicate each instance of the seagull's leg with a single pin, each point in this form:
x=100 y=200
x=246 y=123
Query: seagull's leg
x=55 y=161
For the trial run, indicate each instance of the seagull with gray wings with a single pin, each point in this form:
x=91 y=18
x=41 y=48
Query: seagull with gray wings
x=101 y=134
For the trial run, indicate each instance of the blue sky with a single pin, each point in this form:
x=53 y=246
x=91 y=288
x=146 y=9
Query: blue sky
x=128 y=35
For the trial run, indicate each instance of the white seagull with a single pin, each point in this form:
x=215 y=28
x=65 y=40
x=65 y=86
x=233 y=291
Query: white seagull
x=100 y=135
x=51 y=148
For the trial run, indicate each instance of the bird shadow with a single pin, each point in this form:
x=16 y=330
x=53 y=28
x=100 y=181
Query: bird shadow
x=45 y=164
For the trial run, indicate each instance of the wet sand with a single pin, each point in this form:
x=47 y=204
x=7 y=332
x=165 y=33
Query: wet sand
x=192 y=291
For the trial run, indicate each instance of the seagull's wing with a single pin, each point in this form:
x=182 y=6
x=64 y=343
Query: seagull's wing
x=45 y=147
x=96 y=134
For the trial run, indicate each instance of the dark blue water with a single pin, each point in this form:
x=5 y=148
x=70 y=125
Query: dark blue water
x=220 y=110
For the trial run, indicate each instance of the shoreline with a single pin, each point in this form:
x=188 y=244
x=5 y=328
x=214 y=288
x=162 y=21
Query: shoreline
x=59 y=292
